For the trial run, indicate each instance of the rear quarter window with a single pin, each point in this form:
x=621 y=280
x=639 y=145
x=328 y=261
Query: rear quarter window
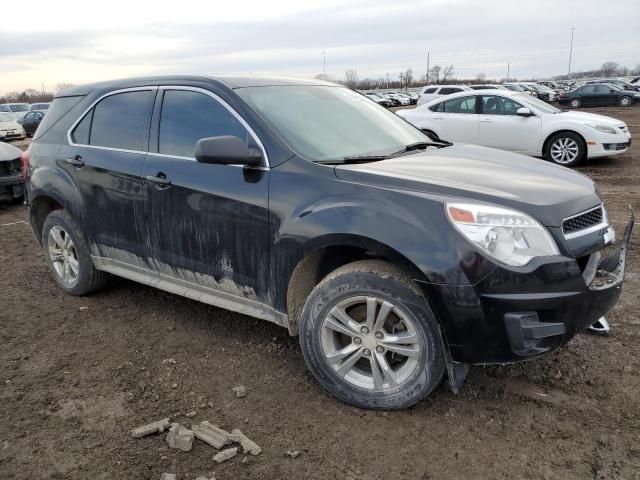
x=58 y=109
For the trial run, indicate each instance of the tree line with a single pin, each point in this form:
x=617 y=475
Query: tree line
x=31 y=95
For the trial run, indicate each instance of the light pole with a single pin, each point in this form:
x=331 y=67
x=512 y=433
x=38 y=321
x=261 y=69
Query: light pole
x=570 y=53
x=428 y=66
x=387 y=81
x=324 y=64
x=508 y=69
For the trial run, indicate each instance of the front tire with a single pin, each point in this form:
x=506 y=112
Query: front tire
x=68 y=255
x=369 y=337
x=575 y=103
x=625 y=101
x=565 y=148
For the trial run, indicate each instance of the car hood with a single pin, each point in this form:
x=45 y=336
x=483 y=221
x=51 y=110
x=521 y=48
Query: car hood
x=9 y=152
x=471 y=172
x=590 y=117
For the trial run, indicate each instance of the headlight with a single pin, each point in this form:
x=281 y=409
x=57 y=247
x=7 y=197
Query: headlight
x=507 y=235
x=602 y=128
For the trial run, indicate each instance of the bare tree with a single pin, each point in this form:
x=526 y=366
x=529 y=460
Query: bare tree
x=481 y=76
x=447 y=73
x=434 y=74
x=610 y=68
x=63 y=86
x=351 y=78
x=408 y=77
x=636 y=71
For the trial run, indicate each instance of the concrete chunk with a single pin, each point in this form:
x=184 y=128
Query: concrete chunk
x=225 y=455
x=240 y=391
x=155 y=427
x=180 y=437
x=248 y=446
x=214 y=436
x=168 y=476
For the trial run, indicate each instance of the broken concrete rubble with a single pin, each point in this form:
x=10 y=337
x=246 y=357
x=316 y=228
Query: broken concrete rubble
x=180 y=437
x=248 y=445
x=225 y=455
x=293 y=453
x=154 y=427
x=168 y=476
x=214 y=436
x=240 y=391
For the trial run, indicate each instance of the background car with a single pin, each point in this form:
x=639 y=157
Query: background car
x=379 y=99
x=520 y=123
x=598 y=95
x=486 y=87
x=39 y=107
x=431 y=92
x=11 y=180
x=404 y=101
x=31 y=121
x=18 y=110
x=10 y=129
x=620 y=83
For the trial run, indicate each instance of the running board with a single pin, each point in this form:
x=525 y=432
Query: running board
x=210 y=296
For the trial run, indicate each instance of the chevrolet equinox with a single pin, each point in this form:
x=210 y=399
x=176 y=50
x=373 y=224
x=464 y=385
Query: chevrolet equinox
x=395 y=258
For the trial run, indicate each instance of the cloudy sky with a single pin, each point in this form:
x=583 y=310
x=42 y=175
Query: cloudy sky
x=73 y=41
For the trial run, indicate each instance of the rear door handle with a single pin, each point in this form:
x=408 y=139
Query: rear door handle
x=486 y=120
x=159 y=179
x=76 y=161
x=438 y=118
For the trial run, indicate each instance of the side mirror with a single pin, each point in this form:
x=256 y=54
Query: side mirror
x=226 y=150
x=524 y=112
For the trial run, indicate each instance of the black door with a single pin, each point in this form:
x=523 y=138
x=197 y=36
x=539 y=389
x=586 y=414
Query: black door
x=106 y=157
x=209 y=225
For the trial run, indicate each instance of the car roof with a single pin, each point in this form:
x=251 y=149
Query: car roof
x=231 y=81
x=467 y=93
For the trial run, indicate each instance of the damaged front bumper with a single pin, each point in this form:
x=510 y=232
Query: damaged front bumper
x=495 y=322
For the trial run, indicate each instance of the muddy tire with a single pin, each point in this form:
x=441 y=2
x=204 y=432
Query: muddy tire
x=68 y=255
x=370 y=338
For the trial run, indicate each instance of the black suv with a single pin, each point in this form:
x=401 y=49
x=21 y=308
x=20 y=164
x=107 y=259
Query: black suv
x=304 y=203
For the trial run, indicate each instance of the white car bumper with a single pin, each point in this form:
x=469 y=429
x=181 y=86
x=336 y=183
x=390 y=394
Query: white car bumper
x=605 y=144
x=15 y=134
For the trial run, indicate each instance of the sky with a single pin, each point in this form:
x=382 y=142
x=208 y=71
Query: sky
x=72 y=41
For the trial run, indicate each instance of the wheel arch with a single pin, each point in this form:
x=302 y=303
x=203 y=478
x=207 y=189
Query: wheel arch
x=328 y=253
x=563 y=130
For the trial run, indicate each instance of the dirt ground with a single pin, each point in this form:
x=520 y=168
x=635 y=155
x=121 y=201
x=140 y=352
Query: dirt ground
x=79 y=373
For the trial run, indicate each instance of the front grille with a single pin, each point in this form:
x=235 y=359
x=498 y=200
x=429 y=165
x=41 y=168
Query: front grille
x=10 y=168
x=615 y=146
x=583 y=221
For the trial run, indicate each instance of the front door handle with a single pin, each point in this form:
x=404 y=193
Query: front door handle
x=438 y=118
x=486 y=120
x=159 y=179
x=76 y=161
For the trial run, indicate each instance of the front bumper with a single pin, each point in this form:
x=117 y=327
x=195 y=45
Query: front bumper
x=11 y=187
x=604 y=145
x=511 y=316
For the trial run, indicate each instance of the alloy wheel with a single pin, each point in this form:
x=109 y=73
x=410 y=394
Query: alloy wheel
x=575 y=103
x=564 y=150
x=371 y=343
x=63 y=256
x=625 y=101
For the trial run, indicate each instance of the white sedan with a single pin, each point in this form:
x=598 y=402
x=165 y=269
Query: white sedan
x=10 y=129
x=520 y=123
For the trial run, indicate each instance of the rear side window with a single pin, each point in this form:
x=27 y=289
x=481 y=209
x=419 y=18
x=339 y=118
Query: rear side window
x=187 y=117
x=438 y=107
x=120 y=121
x=58 y=109
x=461 y=105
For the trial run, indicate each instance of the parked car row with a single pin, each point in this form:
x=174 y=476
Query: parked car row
x=393 y=99
x=19 y=110
x=520 y=123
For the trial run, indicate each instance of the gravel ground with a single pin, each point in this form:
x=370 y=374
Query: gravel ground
x=79 y=373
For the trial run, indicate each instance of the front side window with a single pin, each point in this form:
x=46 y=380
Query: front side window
x=588 y=89
x=461 y=105
x=118 y=121
x=325 y=123
x=190 y=116
x=496 y=105
x=430 y=90
x=449 y=90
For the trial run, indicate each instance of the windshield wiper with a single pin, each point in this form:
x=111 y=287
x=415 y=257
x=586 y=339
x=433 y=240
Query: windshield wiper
x=422 y=145
x=353 y=159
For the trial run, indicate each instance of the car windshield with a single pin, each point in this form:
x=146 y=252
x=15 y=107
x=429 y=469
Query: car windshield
x=20 y=108
x=536 y=103
x=6 y=118
x=323 y=123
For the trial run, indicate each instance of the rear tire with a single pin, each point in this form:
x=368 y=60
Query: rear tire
x=370 y=338
x=625 y=101
x=68 y=255
x=565 y=148
x=575 y=103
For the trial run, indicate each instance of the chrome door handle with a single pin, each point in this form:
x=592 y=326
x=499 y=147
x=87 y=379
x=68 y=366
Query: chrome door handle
x=76 y=161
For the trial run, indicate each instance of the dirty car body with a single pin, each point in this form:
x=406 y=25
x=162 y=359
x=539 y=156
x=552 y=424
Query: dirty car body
x=259 y=237
x=11 y=181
